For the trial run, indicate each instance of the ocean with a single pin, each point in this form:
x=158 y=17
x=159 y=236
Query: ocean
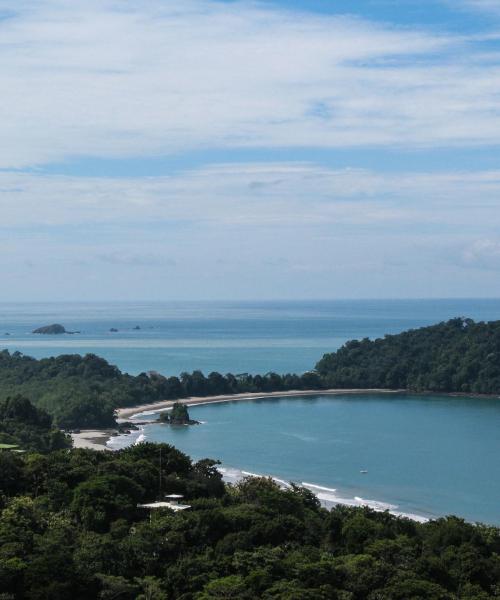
x=236 y=337
x=424 y=455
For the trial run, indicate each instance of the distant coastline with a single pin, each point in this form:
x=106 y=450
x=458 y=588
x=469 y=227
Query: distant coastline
x=129 y=411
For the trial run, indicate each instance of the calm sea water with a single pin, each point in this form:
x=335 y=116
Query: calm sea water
x=424 y=455
x=253 y=337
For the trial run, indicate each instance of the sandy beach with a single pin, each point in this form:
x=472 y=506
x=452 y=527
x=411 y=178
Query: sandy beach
x=92 y=439
x=125 y=413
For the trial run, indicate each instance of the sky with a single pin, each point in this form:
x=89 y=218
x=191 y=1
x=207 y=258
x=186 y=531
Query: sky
x=282 y=149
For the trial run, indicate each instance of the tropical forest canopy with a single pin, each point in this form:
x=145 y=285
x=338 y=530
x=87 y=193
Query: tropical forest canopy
x=71 y=527
x=29 y=428
x=84 y=391
x=457 y=356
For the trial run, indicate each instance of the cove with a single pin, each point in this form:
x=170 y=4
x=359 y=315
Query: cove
x=423 y=455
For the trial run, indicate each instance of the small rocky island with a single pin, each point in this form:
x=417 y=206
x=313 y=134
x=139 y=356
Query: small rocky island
x=179 y=415
x=54 y=329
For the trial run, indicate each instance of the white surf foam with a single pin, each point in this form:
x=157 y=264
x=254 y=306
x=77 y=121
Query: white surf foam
x=375 y=504
x=281 y=482
x=327 y=496
x=248 y=474
x=412 y=516
x=140 y=439
x=313 y=486
x=234 y=475
x=124 y=439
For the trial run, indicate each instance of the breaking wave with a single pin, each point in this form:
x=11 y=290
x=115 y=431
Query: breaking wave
x=327 y=496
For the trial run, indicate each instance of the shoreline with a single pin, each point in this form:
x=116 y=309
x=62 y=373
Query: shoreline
x=92 y=439
x=327 y=496
x=126 y=412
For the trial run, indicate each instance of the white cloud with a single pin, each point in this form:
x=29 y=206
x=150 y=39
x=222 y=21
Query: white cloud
x=250 y=230
x=275 y=195
x=483 y=254
x=111 y=79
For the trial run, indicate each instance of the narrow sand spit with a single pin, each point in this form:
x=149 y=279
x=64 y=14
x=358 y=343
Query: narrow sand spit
x=124 y=413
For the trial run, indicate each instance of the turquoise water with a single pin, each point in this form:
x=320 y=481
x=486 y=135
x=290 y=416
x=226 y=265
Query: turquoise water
x=253 y=337
x=425 y=455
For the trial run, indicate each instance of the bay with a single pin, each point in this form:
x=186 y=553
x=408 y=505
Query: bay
x=424 y=455
x=427 y=456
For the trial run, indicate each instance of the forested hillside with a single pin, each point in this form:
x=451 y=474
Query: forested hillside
x=457 y=356
x=70 y=528
x=77 y=391
x=84 y=391
x=29 y=428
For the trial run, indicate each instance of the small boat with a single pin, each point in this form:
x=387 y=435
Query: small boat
x=363 y=472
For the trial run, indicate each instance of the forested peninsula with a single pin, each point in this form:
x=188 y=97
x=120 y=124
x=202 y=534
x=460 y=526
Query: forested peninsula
x=83 y=392
x=456 y=356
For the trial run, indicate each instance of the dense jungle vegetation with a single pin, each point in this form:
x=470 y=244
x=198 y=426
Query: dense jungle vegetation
x=30 y=428
x=70 y=527
x=457 y=356
x=84 y=391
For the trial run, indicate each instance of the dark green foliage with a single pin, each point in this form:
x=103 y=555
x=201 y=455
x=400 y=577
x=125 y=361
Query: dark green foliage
x=29 y=427
x=179 y=414
x=70 y=527
x=105 y=498
x=457 y=356
x=77 y=391
x=84 y=391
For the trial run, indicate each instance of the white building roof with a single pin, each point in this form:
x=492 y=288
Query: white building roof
x=172 y=506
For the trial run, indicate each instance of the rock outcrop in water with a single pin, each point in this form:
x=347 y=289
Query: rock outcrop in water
x=179 y=415
x=54 y=329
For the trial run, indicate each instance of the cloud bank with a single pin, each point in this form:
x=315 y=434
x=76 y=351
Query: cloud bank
x=288 y=227
x=102 y=79
x=111 y=79
x=251 y=195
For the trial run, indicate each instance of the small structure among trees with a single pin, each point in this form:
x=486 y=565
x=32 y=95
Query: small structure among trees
x=172 y=501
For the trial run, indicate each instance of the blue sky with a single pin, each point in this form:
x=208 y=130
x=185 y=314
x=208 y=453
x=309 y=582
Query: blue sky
x=446 y=14
x=237 y=149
